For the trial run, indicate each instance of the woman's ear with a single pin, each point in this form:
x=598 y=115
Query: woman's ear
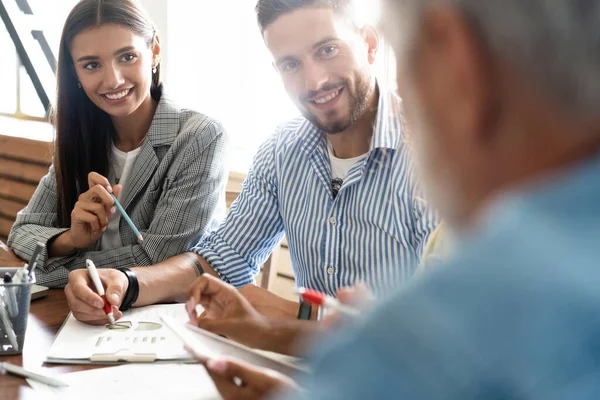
x=156 y=51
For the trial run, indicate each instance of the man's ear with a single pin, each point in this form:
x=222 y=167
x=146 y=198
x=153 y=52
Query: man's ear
x=372 y=40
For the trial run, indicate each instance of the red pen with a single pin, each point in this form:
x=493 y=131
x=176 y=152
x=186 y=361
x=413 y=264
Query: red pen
x=322 y=300
x=91 y=267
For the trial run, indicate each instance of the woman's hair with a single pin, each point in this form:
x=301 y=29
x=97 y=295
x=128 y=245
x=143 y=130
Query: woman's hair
x=83 y=131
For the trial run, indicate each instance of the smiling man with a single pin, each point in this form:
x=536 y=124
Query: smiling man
x=338 y=180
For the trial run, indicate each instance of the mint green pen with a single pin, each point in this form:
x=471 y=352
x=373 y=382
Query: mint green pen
x=135 y=230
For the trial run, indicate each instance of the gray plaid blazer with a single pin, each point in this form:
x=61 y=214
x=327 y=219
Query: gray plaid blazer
x=175 y=196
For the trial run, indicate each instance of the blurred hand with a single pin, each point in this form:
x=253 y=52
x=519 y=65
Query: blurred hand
x=84 y=301
x=226 y=311
x=269 y=304
x=89 y=218
x=357 y=296
x=238 y=380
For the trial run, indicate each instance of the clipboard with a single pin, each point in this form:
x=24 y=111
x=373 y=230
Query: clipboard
x=206 y=344
x=79 y=343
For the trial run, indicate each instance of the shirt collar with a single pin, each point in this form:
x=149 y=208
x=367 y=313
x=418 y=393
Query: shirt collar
x=389 y=124
x=387 y=131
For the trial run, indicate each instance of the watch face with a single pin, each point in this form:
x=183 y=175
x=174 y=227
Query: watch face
x=305 y=311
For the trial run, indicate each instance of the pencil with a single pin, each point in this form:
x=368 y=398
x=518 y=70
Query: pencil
x=6 y=367
x=135 y=230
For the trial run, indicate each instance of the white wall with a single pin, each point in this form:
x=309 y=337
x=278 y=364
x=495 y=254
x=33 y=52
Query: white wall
x=158 y=11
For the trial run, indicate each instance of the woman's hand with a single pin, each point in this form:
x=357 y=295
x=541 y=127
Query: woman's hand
x=89 y=218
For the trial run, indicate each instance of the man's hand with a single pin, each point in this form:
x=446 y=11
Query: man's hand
x=86 y=304
x=269 y=304
x=238 y=380
x=357 y=296
x=226 y=312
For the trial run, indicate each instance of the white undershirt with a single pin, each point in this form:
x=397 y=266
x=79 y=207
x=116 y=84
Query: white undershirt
x=121 y=164
x=340 y=167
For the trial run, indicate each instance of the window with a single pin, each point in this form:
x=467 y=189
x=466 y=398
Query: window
x=22 y=99
x=209 y=47
x=214 y=46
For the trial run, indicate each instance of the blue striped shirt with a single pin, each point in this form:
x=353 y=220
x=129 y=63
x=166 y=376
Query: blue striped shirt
x=373 y=231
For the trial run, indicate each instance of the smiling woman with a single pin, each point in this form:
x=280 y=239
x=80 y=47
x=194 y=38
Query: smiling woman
x=118 y=134
x=117 y=81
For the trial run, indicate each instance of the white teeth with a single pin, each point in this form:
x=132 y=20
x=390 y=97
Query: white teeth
x=328 y=98
x=118 y=96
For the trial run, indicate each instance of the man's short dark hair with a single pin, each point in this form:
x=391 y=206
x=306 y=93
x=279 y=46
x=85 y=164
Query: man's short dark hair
x=267 y=11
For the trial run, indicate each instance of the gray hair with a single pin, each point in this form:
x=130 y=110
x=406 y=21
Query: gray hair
x=554 y=42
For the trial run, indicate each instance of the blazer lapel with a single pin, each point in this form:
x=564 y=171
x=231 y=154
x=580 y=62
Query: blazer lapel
x=163 y=131
x=143 y=169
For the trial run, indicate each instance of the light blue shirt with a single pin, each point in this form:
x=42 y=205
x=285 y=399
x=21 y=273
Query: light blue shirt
x=514 y=315
x=373 y=231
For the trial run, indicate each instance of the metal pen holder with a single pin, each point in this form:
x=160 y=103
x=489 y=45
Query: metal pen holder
x=14 y=311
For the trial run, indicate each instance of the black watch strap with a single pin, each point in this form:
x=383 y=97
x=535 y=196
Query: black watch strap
x=197 y=265
x=133 y=289
x=305 y=311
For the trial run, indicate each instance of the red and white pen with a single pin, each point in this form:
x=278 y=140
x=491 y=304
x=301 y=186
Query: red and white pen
x=91 y=267
x=322 y=300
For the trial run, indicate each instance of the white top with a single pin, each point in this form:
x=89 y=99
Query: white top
x=121 y=164
x=340 y=167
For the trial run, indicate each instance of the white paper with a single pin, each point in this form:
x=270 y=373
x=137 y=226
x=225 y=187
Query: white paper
x=79 y=341
x=134 y=381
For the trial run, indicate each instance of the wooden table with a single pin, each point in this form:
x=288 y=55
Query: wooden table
x=46 y=315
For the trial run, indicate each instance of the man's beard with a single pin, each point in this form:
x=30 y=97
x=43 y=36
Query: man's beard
x=358 y=102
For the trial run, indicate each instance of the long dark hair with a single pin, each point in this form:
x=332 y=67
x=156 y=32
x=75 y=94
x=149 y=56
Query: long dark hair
x=83 y=131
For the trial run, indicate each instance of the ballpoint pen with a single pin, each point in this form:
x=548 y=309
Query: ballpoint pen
x=33 y=263
x=7 y=326
x=91 y=267
x=135 y=230
x=10 y=296
x=23 y=275
x=6 y=367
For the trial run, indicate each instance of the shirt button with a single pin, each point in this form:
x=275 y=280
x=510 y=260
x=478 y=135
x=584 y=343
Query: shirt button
x=332 y=220
x=330 y=270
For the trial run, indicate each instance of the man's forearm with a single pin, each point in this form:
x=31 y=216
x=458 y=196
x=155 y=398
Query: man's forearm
x=169 y=281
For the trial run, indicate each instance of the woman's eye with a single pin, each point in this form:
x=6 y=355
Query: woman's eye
x=128 y=57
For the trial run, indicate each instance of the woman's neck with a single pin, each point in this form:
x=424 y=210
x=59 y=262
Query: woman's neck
x=132 y=129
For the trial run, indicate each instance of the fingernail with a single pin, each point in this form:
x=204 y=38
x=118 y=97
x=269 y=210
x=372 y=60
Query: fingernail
x=104 y=229
x=109 y=189
x=113 y=210
x=217 y=366
x=99 y=304
x=115 y=298
x=189 y=306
